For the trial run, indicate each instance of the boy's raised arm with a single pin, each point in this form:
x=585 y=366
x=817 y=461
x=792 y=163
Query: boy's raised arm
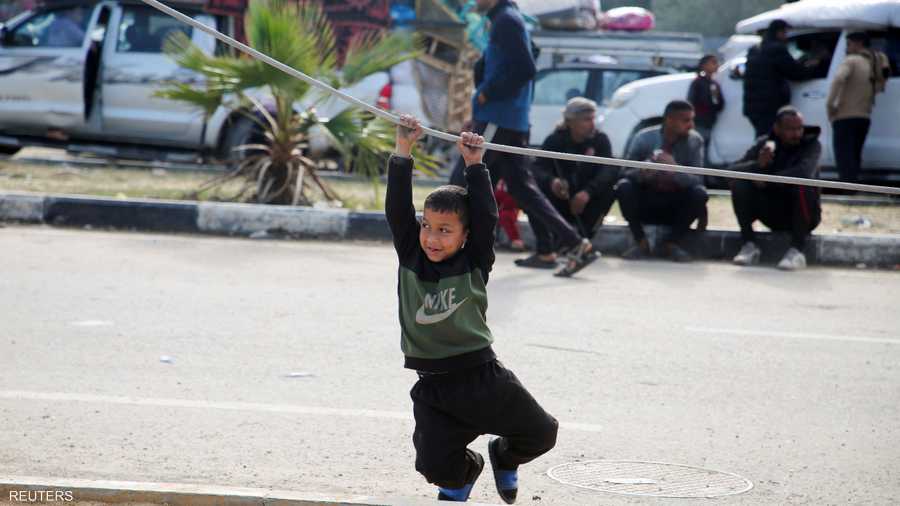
x=398 y=203
x=483 y=215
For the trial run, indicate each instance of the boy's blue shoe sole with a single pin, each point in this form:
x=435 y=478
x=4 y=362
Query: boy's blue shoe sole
x=462 y=494
x=506 y=483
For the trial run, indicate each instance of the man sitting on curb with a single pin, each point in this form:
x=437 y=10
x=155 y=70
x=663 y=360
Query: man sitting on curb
x=791 y=149
x=659 y=197
x=581 y=192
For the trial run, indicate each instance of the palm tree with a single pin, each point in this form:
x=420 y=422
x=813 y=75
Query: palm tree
x=275 y=163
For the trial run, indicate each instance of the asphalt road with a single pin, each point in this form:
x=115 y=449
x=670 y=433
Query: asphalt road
x=141 y=357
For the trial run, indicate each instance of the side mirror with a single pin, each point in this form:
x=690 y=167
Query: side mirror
x=3 y=33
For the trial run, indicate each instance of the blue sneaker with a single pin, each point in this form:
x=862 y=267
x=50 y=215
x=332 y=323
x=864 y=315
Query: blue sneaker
x=462 y=494
x=507 y=482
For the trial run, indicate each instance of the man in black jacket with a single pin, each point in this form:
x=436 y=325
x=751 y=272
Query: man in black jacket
x=581 y=192
x=769 y=67
x=792 y=149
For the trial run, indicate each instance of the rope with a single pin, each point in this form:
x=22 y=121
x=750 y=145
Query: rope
x=394 y=118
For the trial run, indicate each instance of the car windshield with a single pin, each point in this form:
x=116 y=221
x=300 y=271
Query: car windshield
x=556 y=86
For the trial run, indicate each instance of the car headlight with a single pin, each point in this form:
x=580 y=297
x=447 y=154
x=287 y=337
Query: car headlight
x=621 y=97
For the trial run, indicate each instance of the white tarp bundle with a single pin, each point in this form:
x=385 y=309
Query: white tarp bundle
x=862 y=14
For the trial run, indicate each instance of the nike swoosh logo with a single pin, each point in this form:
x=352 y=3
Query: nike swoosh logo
x=429 y=319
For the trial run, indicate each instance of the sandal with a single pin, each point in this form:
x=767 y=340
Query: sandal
x=579 y=258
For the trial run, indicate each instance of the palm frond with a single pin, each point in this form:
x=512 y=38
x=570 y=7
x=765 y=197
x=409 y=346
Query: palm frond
x=274 y=27
x=205 y=99
x=371 y=52
x=315 y=22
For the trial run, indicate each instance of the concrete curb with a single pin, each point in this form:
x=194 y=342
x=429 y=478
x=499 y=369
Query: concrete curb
x=302 y=222
x=61 y=490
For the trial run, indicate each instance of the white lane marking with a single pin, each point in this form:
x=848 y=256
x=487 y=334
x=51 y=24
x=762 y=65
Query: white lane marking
x=92 y=323
x=793 y=335
x=236 y=406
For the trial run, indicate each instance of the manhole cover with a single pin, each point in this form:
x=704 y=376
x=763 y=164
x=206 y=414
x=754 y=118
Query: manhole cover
x=655 y=479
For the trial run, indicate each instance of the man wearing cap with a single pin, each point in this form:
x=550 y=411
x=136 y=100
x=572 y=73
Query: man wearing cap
x=769 y=67
x=581 y=192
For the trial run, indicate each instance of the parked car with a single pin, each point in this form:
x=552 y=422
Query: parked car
x=816 y=24
x=553 y=87
x=94 y=91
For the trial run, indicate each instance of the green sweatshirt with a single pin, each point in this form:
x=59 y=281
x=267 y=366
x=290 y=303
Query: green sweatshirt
x=443 y=305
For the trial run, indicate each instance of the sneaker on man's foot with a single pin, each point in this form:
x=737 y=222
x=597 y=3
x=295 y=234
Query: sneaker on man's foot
x=639 y=251
x=793 y=260
x=578 y=258
x=462 y=494
x=507 y=481
x=676 y=253
x=749 y=254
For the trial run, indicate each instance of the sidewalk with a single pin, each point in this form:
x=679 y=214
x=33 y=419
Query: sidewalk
x=260 y=221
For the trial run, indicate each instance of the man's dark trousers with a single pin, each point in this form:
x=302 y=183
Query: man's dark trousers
x=678 y=209
x=586 y=223
x=787 y=208
x=762 y=123
x=849 y=136
x=521 y=185
x=454 y=408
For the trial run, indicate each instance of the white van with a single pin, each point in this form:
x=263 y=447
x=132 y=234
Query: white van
x=815 y=23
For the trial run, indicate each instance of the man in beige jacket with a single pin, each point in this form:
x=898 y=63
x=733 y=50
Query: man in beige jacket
x=859 y=77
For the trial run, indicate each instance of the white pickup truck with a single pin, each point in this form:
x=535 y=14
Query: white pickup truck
x=81 y=74
x=815 y=23
x=595 y=63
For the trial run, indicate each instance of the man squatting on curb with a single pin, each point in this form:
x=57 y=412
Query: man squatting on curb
x=463 y=391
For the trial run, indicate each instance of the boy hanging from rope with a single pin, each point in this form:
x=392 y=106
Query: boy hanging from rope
x=463 y=391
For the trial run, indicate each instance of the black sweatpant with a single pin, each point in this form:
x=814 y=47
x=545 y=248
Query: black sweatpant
x=521 y=185
x=453 y=409
x=677 y=209
x=780 y=207
x=849 y=136
x=586 y=223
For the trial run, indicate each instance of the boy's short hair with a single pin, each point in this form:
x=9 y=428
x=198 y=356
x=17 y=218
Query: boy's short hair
x=450 y=198
x=677 y=106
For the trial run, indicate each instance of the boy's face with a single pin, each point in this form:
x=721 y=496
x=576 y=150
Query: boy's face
x=441 y=235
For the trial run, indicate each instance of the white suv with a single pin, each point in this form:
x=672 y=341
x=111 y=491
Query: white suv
x=640 y=104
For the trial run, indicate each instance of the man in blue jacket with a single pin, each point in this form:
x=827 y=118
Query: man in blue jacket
x=500 y=108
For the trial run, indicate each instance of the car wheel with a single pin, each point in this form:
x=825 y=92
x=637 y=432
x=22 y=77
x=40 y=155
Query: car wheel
x=239 y=131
